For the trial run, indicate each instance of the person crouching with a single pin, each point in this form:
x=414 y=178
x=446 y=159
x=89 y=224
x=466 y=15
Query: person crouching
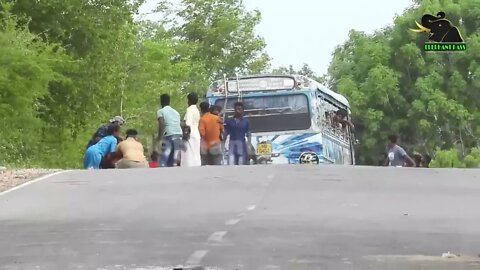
x=132 y=152
x=103 y=149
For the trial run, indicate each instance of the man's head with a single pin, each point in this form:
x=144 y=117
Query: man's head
x=392 y=140
x=215 y=110
x=239 y=108
x=340 y=115
x=165 y=100
x=117 y=120
x=204 y=107
x=132 y=133
x=114 y=129
x=192 y=99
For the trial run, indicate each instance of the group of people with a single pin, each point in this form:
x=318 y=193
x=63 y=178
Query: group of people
x=199 y=139
x=112 y=151
x=396 y=156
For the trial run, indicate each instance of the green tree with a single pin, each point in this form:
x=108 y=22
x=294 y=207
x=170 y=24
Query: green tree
x=86 y=61
x=447 y=159
x=430 y=100
x=29 y=65
x=223 y=33
x=100 y=36
x=305 y=70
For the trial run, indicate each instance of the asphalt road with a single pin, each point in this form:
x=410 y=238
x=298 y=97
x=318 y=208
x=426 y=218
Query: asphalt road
x=249 y=217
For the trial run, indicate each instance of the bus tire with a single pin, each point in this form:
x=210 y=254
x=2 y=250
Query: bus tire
x=309 y=158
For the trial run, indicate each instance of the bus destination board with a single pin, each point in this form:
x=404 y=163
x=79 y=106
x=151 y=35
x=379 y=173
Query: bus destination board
x=261 y=84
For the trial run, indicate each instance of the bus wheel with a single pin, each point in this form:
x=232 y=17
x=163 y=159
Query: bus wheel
x=309 y=158
x=262 y=161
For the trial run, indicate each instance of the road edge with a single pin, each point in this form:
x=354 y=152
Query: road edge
x=33 y=181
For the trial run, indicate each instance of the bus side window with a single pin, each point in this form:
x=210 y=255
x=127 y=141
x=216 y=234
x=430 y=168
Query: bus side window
x=320 y=111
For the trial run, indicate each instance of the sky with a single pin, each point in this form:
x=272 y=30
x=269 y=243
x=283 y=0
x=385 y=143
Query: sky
x=307 y=31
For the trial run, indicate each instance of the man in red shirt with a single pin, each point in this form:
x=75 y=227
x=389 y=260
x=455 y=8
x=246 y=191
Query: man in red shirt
x=210 y=131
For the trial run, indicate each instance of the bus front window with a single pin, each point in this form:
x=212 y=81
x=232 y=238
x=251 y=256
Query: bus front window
x=274 y=113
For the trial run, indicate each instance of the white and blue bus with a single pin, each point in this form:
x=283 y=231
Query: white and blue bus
x=288 y=117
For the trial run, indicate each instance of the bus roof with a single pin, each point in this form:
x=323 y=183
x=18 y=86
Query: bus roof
x=334 y=95
x=304 y=83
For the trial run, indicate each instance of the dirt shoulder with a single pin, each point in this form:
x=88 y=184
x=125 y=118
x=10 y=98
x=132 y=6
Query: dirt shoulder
x=10 y=178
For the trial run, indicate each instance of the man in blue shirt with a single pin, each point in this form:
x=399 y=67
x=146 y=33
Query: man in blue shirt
x=238 y=129
x=103 y=149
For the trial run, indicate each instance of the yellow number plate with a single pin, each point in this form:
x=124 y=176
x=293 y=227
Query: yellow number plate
x=264 y=149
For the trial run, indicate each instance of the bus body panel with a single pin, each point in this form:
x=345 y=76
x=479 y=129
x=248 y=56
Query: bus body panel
x=290 y=148
x=287 y=148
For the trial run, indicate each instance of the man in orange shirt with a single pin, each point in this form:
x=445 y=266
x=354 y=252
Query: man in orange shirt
x=210 y=131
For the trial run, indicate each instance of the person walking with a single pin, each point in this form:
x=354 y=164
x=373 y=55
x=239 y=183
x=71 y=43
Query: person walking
x=132 y=152
x=190 y=156
x=237 y=129
x=169 y=132
x=397 y=156
x=104 y=149
x=211 y=130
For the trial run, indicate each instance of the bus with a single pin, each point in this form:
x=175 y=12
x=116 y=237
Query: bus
x=289 y=118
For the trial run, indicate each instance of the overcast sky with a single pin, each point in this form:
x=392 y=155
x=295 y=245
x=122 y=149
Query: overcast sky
x=307 y=31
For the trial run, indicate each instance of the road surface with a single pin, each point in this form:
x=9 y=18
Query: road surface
x=248 y=217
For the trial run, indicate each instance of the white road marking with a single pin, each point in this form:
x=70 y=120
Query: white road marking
x=216 y=237
x=32 y=182
x=251 y=207
x=196 y=257
x=232 y=221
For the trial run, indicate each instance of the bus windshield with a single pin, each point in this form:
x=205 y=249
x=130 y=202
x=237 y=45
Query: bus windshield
x=273 y=113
